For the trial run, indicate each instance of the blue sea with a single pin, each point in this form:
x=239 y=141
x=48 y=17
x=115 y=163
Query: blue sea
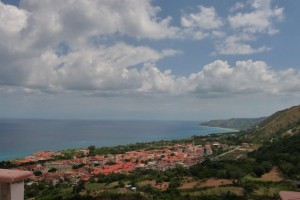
x=22 y=137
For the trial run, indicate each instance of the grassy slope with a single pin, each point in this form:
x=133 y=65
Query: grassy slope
x=279 y=123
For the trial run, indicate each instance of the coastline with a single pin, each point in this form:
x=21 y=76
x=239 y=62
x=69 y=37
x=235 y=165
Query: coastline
x=138 y=132
x=229 y=129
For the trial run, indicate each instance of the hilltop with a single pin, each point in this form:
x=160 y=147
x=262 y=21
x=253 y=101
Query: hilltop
x=235 y=123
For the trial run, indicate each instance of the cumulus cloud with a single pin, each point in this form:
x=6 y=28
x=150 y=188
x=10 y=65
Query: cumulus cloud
x=12 y=19
x=236 y=45
x=236 y=32
x=259 y=20
x=219 y=78
x=247 y=26
x=47 y=47
x=74 y=20
x=106 y=68
x=201 y=24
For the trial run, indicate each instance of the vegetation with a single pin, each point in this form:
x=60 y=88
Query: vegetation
x=235 y=123
x=284 y=153
x=7 y=165
x=285 y=122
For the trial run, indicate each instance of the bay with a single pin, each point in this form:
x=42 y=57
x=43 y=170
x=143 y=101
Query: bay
x=22 y=137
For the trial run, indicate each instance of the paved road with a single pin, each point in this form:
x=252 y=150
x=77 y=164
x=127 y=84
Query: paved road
x=215 y=158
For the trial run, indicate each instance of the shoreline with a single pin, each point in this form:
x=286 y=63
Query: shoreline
x=232 y=129
x=124 y=144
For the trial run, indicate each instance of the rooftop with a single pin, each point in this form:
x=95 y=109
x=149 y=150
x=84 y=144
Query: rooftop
x=289 y=195
x=12 y=176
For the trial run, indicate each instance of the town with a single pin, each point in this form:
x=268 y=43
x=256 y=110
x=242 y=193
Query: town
x=83 y=166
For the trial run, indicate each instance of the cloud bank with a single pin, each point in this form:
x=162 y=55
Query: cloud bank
x=64 y=46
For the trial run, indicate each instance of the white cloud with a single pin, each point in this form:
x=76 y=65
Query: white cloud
x=235 y=45
x=103 y=72
x=250 y=25
x=29 y=54
x=12 y=19
x=107 y=68
x=74 y=20
x=206 y=19
x=237 y=6
x=260 y=20
x=199 y=25
x=219 y=78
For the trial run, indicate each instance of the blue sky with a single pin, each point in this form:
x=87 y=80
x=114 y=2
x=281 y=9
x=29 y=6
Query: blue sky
x=148 y=59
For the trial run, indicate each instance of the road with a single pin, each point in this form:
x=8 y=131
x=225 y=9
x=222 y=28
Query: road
x=215 y=158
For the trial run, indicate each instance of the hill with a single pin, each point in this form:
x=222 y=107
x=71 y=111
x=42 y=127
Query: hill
x=235 y=123
x=283 y=153
x=281 y=123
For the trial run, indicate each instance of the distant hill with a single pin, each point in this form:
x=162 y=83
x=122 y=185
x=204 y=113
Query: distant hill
x=235 y=123
x=284 y=122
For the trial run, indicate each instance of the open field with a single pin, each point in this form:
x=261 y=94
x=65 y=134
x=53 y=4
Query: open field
x=208 y=183
x=161 y=186
x=219 y=191
x=274 y=175
x=190 y=185
x=238 y=153
x=216 y=182
x=264 y=191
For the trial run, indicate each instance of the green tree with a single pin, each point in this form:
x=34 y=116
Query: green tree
x=38 y=173
x=121 y=184
x=52 y=170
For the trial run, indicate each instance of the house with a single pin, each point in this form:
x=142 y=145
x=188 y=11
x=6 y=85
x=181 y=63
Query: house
x=84 y=152
x=245 y=145
x=208 y=150
x=216 y=144
x=53 y=178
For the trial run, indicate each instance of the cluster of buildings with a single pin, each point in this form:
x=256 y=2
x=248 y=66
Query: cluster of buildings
x=84 y=167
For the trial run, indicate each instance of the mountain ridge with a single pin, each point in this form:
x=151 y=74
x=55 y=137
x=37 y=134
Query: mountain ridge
x=235 y=123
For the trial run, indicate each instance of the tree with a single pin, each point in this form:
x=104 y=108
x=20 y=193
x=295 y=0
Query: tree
x=38 y=173
x=259 y=170
x=174 y=183
x=267 y=165
x=121 y=184
x=52 y=170
x=92 y=150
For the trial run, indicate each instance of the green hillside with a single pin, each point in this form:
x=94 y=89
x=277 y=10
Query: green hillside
x=284 y=153
x=281 y=123
x=235 y=123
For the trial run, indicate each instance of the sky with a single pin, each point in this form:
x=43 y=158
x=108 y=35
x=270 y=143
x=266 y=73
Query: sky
x=148 y=59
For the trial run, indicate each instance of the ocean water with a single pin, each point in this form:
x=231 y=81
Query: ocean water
x=19 y=138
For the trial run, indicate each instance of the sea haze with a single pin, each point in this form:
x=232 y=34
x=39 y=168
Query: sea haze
x=19 y=138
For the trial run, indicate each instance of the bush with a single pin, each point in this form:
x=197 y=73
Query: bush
x=38 y=173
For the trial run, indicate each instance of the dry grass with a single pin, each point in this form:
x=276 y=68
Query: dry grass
x=274 y=175
x=219 y=191
x=216 y=182
x=161 y=186
x=267 y=191
x=189 y=185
